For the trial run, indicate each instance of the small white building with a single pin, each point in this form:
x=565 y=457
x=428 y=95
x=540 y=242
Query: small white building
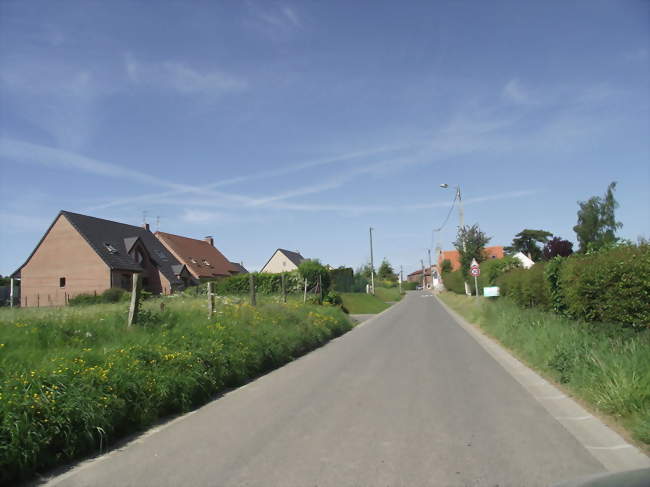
x=526 y=262
x=283 y=261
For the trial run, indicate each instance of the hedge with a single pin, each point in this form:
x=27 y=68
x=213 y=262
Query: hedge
x=606 y=286
x=527 y=287
x=491 y=269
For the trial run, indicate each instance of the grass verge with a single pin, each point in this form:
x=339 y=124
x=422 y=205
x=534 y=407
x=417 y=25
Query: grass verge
x=73 y=380
x=388 y=294
x=606 y=366
x=362 y=303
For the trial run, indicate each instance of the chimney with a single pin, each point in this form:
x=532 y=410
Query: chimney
x=146 y=227
x=209 y=239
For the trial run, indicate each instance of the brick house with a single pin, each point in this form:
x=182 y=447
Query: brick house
x=82 y=254
x=202 y=259
x=494 y=252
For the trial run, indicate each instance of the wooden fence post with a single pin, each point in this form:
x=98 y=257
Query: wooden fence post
x=304 y=296
x=210 y=300
x=252 y=289
x=320 y=289
x=135 y=300
x=284 y=288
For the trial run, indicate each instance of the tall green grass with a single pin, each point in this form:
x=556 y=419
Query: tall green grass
x=388 y=294
x=362 y=303
x=73 y=380
x=607 y=366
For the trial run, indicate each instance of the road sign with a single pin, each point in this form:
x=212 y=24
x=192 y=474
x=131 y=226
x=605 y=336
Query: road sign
x=474 y=269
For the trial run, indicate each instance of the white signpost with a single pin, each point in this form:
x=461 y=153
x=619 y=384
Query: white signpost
x=475 y=270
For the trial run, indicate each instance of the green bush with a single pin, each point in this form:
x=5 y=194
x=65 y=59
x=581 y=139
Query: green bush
x=342 y=279
x=454 y=282
x=526 y=287
x=74 y=380
x=111 y=295
x=409 y=286
x=312 y=270
x=611 y=285
x=265 y=283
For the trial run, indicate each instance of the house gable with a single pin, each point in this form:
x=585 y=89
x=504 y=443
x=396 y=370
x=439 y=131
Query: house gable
x=283 y=261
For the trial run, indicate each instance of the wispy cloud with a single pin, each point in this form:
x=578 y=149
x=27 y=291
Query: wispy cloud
x=515 y=92
x=277 y=21
x=180 y=78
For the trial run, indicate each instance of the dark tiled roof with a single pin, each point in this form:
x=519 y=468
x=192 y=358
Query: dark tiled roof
x=240 y=269
x=294 y=257
x=121 y=237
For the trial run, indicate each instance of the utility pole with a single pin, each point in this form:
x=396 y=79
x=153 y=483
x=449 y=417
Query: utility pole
x=461 y=213
x=430 y=271
x=400 y=280
x=372 y=266
x=422 y=262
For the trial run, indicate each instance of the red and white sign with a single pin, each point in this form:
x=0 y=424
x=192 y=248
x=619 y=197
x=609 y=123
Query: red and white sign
x=474 y=269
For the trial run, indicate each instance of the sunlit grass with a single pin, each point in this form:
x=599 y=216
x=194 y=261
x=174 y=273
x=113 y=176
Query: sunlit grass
x=74 y=379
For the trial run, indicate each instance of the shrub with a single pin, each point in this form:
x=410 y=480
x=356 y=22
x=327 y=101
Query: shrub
x=115 y=295
x=527 y=287
x=446 y=266
x=609 y=285
x=342 y=279
x=312 y=270
x=454 y=282
x=265 y=283
x=409 y=286
x=333 y=298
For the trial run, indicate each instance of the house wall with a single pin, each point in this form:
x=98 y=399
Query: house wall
x=62 y=253
x=279 y=263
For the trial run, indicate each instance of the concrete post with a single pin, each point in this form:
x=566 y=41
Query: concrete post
x=135 y=300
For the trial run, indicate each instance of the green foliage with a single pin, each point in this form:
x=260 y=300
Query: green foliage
x=409 y=286
x=73 y=380
x=454 y=281
x=605 y=365
x=342 y=279
x=364 y=271
x=311 y=270
x=446 y=266
x=491 y=269
x=470 y=243
x=265 y=284
x=526 y=287
x=611 y=285
x=333 y=298
x=362 y=303
x=527 y=242
x=388 y=294
x=597 y=223
x=111 y=295
x=386 y=272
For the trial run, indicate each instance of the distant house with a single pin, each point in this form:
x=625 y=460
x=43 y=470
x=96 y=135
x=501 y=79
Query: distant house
x=526 y=262
x=494 y=252
x=283 y=261
x=83 y=254
x=202 y=259
x=429 y=280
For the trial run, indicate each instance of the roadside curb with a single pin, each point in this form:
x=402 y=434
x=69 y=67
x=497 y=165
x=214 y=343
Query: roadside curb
x=607 y=446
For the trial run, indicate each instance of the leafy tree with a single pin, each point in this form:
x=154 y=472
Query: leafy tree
x=445 y=266
x=557 y=246
x=470 y=243
x=597 y=225
x=526 y=241
x=311 y=269
x=364 y=271
x=386 y=271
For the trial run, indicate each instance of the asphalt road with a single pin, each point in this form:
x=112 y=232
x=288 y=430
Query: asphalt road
x=406 y=399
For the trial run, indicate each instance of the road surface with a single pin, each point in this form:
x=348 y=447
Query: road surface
x=408 y=398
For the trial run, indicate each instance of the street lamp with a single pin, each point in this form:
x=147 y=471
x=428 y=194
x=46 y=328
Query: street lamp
x=461 y=214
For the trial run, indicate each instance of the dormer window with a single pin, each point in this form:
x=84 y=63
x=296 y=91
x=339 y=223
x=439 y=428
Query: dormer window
x=205 y=262
x=110 y=248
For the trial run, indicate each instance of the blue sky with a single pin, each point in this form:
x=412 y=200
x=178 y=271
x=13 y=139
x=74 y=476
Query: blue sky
x=300 y=124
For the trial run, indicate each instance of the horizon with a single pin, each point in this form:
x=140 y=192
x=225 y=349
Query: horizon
x=299 y=126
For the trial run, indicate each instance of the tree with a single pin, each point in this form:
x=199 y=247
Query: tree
x=445 y=266
x=311 y=270
x=526 y=241
x=470 y=243
x=557 y=246
x=597 y=225
x=386 y=271
x=364 y=271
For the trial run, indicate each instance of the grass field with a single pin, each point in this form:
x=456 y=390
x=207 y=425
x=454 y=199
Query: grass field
x=362 y=303
x=605 y=365
x=75 y=379
x=388 y=294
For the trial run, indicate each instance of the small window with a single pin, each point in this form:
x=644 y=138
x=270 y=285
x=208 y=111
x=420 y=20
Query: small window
x=205 y=262
x=61 y=281
x=110 y=248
